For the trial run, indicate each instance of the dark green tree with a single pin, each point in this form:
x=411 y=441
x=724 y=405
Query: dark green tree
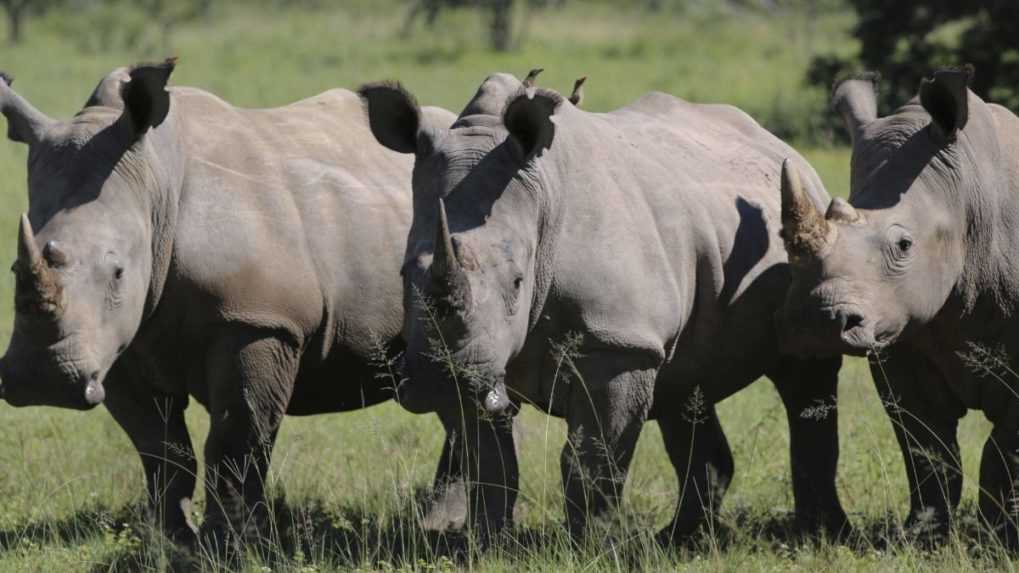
x=904 y=40
x=17 y=11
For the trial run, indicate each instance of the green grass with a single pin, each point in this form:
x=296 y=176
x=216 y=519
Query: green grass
x=71 y=485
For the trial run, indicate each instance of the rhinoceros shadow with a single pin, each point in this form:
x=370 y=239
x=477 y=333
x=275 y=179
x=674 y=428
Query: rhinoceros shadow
x=352 y=536
x=750 y=245
x=103 y=151
x=894 y=176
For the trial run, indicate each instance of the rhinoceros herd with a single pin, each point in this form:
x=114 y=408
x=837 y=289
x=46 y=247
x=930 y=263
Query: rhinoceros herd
x=606 y=268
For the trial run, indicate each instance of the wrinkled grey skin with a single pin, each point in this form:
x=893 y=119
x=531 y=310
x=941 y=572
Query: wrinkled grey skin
x=917 y=268
x=189 y=248
x=650 y=231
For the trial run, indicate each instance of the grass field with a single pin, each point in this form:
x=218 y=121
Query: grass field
x=71 y=485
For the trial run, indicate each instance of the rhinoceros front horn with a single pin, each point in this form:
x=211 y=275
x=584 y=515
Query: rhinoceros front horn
x=28 y=250
x=42 y=286
x=804 y=229
x=445 y=267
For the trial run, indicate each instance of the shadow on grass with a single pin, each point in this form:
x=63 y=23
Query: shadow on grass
x=84 y=525
x=347 y=537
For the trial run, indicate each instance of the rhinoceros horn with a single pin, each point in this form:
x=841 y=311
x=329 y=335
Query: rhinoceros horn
x=445 y=266
x=805 y=232
x=42 y=282
x=28 y=251
x=840 y=210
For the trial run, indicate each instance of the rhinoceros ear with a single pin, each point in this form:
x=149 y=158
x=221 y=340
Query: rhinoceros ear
x=528 y=118
x=146 y=100
x=945 y=95
x=25 y=124
x=394 y=116
x=855 y=98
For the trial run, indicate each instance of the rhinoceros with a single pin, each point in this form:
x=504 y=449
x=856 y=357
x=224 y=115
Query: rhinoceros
x=177 y=246
x=636 y=250
x=918 y=270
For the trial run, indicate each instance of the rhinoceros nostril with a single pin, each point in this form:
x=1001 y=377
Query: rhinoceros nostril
x=850 y=320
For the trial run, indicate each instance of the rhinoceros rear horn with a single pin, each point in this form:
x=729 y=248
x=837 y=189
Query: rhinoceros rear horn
x=841 y=211
x=804 y=230
x=25 y=124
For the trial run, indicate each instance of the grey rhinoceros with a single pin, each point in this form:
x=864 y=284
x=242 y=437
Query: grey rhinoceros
x=920 y=270
x=636 y=250
x=176 y=246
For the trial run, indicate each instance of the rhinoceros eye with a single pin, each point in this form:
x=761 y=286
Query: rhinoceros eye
x=118 y=272
x=898 y=250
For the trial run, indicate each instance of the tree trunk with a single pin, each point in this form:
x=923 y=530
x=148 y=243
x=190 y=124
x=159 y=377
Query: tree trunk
x=501 y=28
x=15 y=11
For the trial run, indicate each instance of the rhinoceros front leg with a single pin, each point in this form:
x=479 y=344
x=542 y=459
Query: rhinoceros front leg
x=447 y=510
x=925 y=420
x=155 y=425
x=999 y=483
x=478 y=477
x=809 y=389
x=607 y=409
x=700 y=454
x=250 y=377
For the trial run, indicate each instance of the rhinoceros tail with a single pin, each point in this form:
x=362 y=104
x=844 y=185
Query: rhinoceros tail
x=7 y=78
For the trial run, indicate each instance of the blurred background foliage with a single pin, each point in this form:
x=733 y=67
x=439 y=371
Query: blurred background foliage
x=903 y=40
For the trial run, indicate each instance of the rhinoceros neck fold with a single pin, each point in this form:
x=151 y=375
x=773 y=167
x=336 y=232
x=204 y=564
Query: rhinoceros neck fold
x=162 y=151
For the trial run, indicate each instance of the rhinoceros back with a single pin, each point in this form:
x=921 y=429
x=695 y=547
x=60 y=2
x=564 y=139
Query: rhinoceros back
x=293 y=220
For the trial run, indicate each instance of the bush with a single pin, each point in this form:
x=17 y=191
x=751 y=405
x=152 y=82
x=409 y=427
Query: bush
x=905 y=40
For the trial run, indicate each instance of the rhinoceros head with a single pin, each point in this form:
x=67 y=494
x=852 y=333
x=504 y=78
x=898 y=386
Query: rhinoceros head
x=872 y=269
x=472 y=256
x=84 y=247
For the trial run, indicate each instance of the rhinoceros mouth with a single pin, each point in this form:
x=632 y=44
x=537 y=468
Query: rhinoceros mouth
x=32 y=386
x=831 y=330
x=869 y=342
